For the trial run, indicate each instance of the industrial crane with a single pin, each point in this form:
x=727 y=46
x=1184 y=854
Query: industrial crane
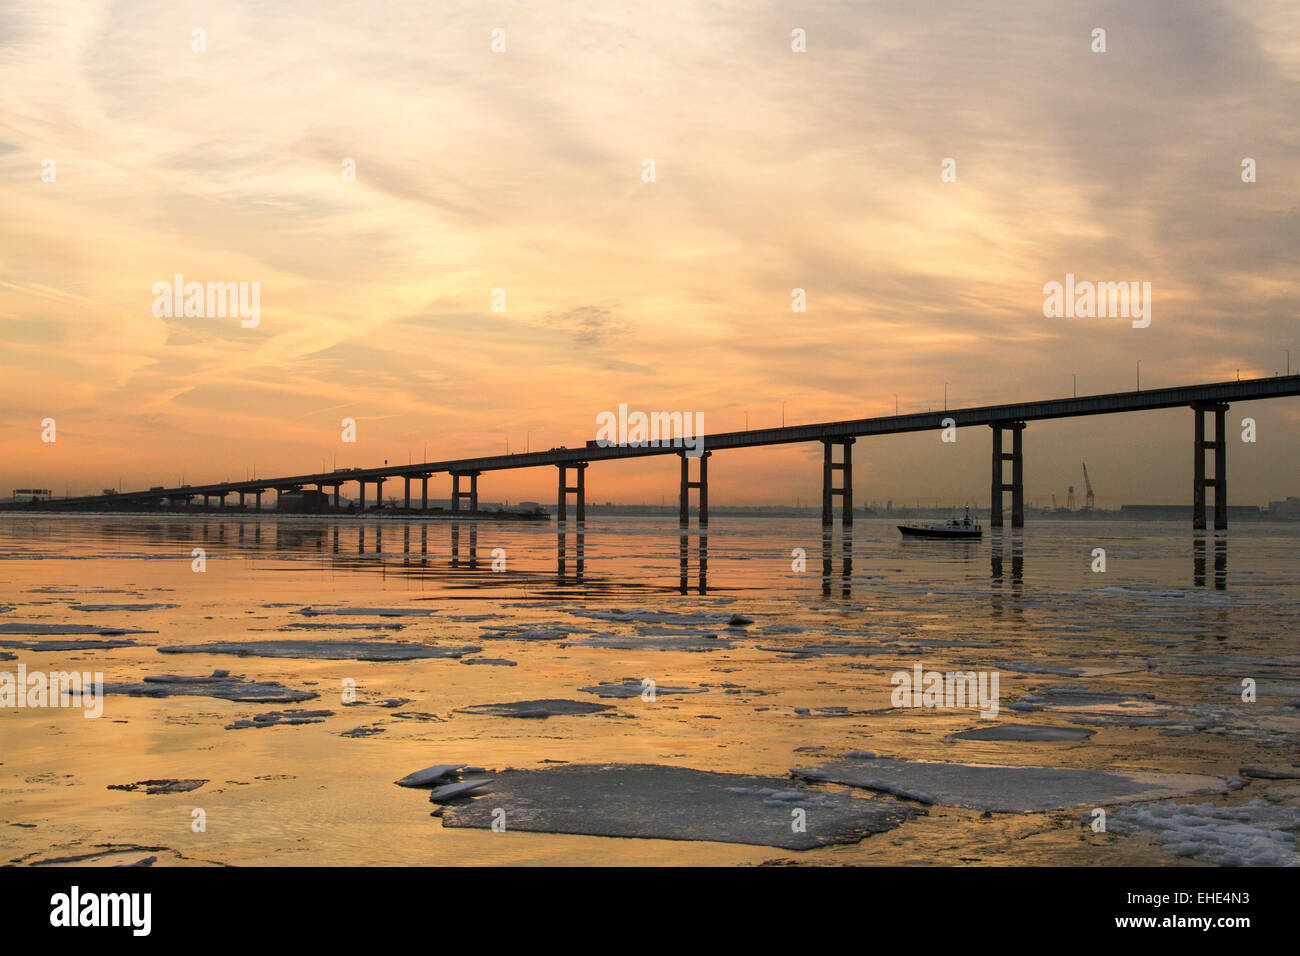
x=1089 y=498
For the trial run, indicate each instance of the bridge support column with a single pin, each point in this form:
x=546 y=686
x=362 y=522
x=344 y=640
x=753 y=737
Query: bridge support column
x=579 y=491
x=336 y=503
x=424 y=493
x=379 y=493
x=999 y=485
x=457 y=494
x=259 y=500
x=702 y=519
x=845 y=491
x=241 y=500
x=702 y=484
x=362 y=505
x=1219 y=481
x=407 y=498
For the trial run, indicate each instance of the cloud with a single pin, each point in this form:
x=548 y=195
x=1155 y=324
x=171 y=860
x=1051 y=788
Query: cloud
x=522 y=171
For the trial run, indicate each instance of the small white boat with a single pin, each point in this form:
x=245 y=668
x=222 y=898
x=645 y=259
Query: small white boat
x=953 y=528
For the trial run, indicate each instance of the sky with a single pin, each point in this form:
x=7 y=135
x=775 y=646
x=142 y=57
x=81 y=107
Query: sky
x=523 y=170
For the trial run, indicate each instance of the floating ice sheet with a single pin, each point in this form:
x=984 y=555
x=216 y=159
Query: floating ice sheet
x=536 y=708
x=676 y=803
x=631 y=687
x=69 y=645
x=1253 y=834
x=20 y=627
x=1010 y=789
x=624 y=642
x=1024 y=732
x=219 y=684
x=324 y=650
x=367 y=611
x=278 y=717
x=121 y=607
x=159 y=786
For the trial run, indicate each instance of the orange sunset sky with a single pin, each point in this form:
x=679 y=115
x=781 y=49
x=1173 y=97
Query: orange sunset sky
x=522 y=170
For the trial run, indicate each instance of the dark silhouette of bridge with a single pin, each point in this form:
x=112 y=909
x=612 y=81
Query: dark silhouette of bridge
x=1013 y=418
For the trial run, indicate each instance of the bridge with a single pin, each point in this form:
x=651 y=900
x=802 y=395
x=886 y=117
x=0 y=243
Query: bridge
x=1005 y=421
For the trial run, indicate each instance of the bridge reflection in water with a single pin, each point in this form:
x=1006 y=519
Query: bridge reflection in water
x=405 y=544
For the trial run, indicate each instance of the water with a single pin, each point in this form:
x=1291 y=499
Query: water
x=1179 y=617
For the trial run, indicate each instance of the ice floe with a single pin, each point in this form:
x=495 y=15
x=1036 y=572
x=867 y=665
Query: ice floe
x=451 y=791
x=1253 y=834
x=219 y=684
x=1024 y=732
x=429 y=775
x=676 y=803
x=631 y=687
x=91 y=645
x=159 y=786
x=1009 y=789
x=622 y=642
x=34 y=629
x=276 y=718
x=324 y=650
x=536 y=708
x=311 y=611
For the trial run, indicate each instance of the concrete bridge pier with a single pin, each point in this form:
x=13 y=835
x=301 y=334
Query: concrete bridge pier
x=998 y=485
x=457 y=494
x=1219 y=482
x=684 y=518
x=845 y=491
x=579 y=492
x=379 y=493
x=259 y=500
x=361 y=502
x=241 y=500
x=406 y=497
x=702 y=519
x=424 y=492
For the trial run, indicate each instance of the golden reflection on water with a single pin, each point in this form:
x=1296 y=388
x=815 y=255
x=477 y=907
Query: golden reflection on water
x=306 y=795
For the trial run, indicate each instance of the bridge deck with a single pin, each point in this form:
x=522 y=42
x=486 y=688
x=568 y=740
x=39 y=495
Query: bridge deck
x=1114 y=403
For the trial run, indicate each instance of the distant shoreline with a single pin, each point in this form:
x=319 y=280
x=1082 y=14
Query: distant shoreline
x=1169 y=513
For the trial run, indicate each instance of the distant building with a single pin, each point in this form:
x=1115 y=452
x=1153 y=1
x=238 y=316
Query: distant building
x=1288 y=510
